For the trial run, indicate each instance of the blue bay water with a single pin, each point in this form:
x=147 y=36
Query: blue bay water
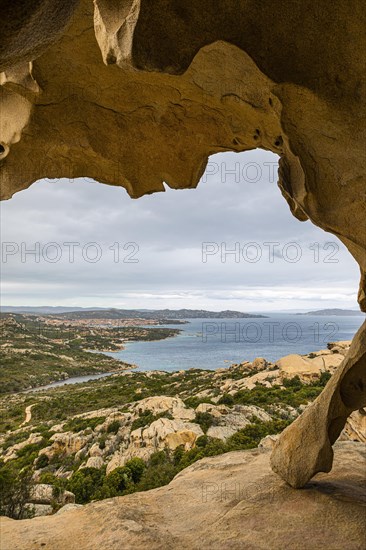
x=215 y=343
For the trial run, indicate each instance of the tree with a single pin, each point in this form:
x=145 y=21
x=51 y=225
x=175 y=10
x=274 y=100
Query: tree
x=118 y=481
x=85 y=483
x=136 y=466
x=14 y=492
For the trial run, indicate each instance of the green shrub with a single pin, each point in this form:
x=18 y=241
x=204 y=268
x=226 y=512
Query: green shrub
x=158 y=458
x=156 y=476
x=178 y=454
x=202 y=441
x=42 y=461
x=250 y=436
x=15 y=490
x=205 y=420
x=118 y=481
x=85 y=483
x=15 y=438
x=79 y=424
x=113 y=427
x=226 y=399
x=324 y=377
x=102 y=441
x=28 y=454
x=294 y=382
x=137 y=467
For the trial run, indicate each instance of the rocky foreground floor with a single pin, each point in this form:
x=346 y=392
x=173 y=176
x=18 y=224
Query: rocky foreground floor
x=232 y=501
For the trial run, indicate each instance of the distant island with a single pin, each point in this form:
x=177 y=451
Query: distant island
x=336 y=311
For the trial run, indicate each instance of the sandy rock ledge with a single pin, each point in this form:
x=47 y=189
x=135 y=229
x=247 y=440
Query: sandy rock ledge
x=232 y=501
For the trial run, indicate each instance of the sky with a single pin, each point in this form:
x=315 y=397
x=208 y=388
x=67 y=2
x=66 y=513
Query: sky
x=81 y=243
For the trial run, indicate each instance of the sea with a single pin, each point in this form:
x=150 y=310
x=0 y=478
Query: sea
x=214 y=343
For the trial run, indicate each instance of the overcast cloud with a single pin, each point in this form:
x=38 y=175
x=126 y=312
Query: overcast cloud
x=168 y=229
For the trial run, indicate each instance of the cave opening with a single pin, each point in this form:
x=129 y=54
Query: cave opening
x=231 y=244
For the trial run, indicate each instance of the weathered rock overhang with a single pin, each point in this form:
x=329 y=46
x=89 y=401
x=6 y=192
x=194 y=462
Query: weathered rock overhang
x=136 y=93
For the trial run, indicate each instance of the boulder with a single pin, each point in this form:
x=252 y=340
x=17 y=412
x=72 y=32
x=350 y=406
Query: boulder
x=343 y=345
x=220 y=432
x=66 y=443
x=259 y=363
x=42 y=493
x=38 y=510
x=160 y=404
x=267 y=443
x=355 y=428
x=66 y=497
x=94 y=462
x=265 y=378
x=216 y=411
x=308 y=368
x=69 y=507
x=95 y=450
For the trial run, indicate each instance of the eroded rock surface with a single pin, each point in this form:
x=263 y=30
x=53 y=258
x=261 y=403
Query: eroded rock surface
x=230 y=501
x=232 y=76
x=238 y=76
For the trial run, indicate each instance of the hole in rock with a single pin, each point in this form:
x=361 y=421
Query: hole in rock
x=279 y=141
x=231 y=244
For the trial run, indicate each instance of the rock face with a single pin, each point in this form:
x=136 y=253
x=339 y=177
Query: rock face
x=66 y=443
x=161 y=434
x=165 y=423
x=170 y=433
x=11 y=453
x=229 y=501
